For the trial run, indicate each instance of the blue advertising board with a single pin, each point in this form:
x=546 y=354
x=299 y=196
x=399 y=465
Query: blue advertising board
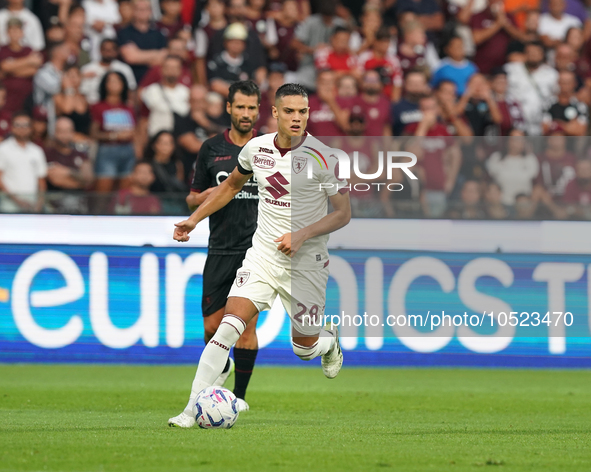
x=89 y=303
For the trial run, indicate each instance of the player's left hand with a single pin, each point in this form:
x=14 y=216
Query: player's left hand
x=290 y=243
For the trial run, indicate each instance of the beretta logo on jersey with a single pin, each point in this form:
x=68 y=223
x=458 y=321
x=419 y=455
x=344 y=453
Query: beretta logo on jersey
x=242 y=277
x=263 y=161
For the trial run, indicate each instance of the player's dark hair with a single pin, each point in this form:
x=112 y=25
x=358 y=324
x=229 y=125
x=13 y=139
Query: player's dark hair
x=103 y=86
x=245 y=87
x=290 y=90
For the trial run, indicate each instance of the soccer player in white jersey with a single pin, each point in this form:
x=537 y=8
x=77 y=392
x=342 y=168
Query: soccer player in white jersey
x=288 y=256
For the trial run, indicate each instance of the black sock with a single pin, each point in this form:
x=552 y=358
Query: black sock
x=227 y=366
x=244 y=360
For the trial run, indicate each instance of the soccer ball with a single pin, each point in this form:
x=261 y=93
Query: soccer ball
x=216 y=407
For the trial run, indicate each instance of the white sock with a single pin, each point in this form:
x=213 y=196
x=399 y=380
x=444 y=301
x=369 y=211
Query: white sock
x=215 y=355
x=319 y=348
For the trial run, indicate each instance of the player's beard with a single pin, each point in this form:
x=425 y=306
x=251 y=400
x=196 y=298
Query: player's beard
x=242 y=127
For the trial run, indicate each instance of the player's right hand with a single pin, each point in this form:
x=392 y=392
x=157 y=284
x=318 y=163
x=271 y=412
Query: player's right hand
x=182 y=230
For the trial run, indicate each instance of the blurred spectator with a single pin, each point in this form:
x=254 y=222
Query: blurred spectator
x=275 y=79
x=469 y=207
x=567 y=111
x=233 y=63
x=452 y=113
x=577 y=194
x=18 y=65
x=142 y=45
x=493 y=30
x=204 y=34
x=216 y=110
x=285 y=25
x=255 y=15
x=346 y=87
x=113 y=126
x=312 y=34
x=168 y=168
x=337 y=56
x=254 y=50
x=364 y=150
x=171 y=24
x=387 y=65
x=72 y=104
x=68 y=168
x=329 y=114
x=5 y=115
x=512 y=116
x=428 y=12
x=407 y=111
x=416 y=51
x=126 y=14
x=23 y=169
x=439 y=158
x=137 y=199
x=194 y=128
x=48 y=79
x=101 y=18
x=494 y=207
x=515 y=169
x=162 y=100
x=78 y=44
x=516 y=48
x=557 y=164
x=479 y=107
x=554 y=24
x=533 y=84
x=371 y=23
x=374 y=106
x=33 y=37
x=54 y=34
x=51 y=12
x=176 y=47
x=455 y=67
x=93 y=73
x=39 y=126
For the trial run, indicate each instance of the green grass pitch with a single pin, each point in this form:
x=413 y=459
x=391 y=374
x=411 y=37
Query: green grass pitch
x=113 y=418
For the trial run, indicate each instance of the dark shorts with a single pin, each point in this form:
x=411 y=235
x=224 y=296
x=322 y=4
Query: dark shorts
x=218 y=276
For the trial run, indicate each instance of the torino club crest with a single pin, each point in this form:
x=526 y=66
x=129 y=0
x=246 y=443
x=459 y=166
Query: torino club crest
x=242 y=277
x=298 y=164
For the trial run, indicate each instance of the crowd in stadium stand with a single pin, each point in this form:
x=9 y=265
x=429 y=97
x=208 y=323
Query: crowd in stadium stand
x=104 y=104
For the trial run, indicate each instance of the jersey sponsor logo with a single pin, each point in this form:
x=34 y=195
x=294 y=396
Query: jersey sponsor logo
x=242 y=277
x=222 y=158
x=298 y=164
x=268 y=151
x=263 y=162
x=276 y=188
x=278 y=203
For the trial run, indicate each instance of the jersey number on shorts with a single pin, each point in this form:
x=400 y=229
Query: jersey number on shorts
x=310 y=319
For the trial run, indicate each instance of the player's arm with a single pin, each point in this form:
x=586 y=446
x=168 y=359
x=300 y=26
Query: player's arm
x=194 y=199
x=219 y=197
x=290 y=243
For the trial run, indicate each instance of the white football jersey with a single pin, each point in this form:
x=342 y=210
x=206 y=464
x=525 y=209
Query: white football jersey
x=289 y=198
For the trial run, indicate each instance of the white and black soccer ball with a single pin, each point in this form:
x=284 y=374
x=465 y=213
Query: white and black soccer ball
x=216 y=408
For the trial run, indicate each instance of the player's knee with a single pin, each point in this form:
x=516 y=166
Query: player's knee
x=305 y=353
x=209 y=328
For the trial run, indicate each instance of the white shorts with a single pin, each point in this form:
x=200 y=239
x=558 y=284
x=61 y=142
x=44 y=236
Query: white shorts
x=302 y=292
